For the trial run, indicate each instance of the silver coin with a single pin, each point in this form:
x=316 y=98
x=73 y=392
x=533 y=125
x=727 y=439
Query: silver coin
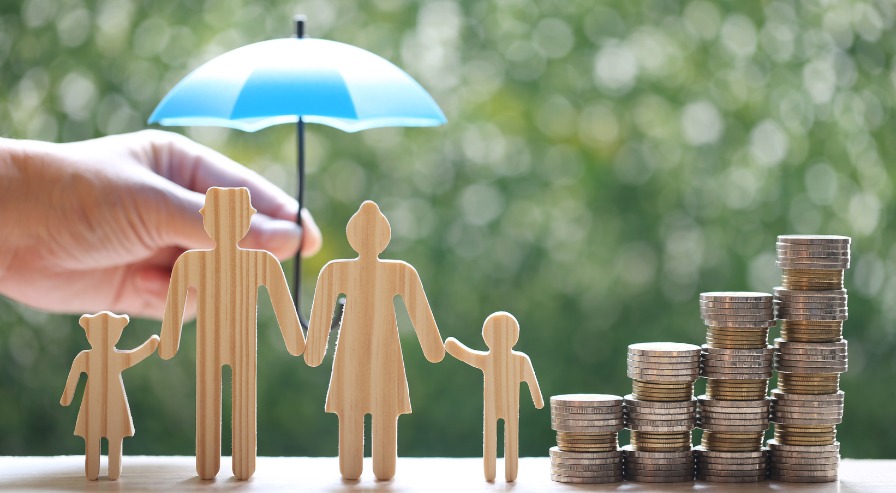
x=732 y=296
x=664 y=348
x=812 y=358
x=595 y=411
x=724 y=305
x=628 y=451
x=799 y=254
x=781 y=396
x=586 y=400
x=814 y=239
x=820 y=303
x=589 y=480
x=556 y=452
x=659 y=360
x=811 y=346
x=750 y=309
x=717 y=322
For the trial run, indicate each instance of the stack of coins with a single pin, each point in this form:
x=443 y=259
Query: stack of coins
x=587 y=427
x=810 y=356
x=737 y=362
x=660 y=411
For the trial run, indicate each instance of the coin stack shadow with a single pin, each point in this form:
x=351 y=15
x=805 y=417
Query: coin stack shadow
x=811 y=354
x=661 y=411
x=737 y=363
x=587 y=427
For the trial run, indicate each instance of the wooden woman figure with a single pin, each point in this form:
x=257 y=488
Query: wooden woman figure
x=368 y=370
x=104 y=409
x=503 y=370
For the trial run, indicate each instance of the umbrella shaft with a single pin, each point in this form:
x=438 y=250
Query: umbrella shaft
x=300 y=196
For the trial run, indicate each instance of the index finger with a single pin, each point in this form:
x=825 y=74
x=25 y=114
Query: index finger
x=198 y=168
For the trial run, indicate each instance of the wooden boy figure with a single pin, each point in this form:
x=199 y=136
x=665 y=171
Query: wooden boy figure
x=104 y=409
x=503 y=370
x=227 y=279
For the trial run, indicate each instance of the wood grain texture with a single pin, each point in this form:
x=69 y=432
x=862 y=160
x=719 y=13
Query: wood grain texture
x=429 y=475
x=104 y=411
x=368 y=369
x=503 y=371
x=226 y=281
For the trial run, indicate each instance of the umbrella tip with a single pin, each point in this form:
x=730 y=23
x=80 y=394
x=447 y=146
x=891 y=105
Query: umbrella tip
x=300 y=19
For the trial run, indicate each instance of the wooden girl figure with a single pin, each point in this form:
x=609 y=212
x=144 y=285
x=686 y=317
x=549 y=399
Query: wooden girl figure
x=368 y=370
x=503 y=370
x=104 y=409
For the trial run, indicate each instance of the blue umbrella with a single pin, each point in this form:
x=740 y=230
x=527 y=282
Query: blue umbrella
x=298 y=80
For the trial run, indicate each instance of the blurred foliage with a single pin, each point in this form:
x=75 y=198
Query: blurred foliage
x=603 y=163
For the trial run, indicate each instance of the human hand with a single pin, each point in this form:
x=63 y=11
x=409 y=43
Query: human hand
x=154 y=342
x=97 y=225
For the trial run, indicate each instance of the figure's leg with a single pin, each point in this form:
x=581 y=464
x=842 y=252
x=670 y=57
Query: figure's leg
x=208 y=416
x=115 y=444
x=245 y=424
x=511 y=448
x=384 y=445
x=92 y=458
x=489 y=446
x=351 y=445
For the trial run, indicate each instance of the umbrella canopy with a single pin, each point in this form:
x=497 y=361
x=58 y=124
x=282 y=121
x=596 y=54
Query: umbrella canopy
x=298 y=80
x=282 y=80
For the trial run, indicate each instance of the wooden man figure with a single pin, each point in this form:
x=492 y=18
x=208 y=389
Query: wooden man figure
x=368 y=370
x=503 y=370
x=226 y=279
x=104 y=409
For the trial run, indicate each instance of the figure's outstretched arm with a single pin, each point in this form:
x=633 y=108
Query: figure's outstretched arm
x=173 y=320
x=141 y=352
x=421 y=315
x=71 y=383
x=321 y=315
x=284 y=308
x=530 y=379
x=469 y=356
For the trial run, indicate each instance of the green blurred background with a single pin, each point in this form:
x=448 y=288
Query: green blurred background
x=604 y=162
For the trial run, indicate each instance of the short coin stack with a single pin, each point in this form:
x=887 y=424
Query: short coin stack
x=587 y=427
x=811 y=354
x=660 y=411
x=737 y=363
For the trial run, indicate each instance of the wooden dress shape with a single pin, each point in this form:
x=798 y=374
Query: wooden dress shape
x=227 y=279
x=104 y=411
x=368 y=369
x=503 y=371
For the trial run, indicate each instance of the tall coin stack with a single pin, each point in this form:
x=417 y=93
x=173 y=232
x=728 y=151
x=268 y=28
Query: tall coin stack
x=587 y=427
x=660 y=411
x=737 y=362
x=811 y=355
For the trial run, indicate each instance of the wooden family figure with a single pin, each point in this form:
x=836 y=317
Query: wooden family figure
x=368 y=369
x=226 y=279
x=368 y=375
x=503 y=371
x=104 y=409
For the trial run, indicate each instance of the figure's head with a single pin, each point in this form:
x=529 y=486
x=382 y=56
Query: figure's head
x=368 y=230
x=500 y=330
x=227 y=214
x=104 y=328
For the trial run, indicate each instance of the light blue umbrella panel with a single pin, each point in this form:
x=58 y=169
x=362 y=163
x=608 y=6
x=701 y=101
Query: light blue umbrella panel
x=298 y=80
